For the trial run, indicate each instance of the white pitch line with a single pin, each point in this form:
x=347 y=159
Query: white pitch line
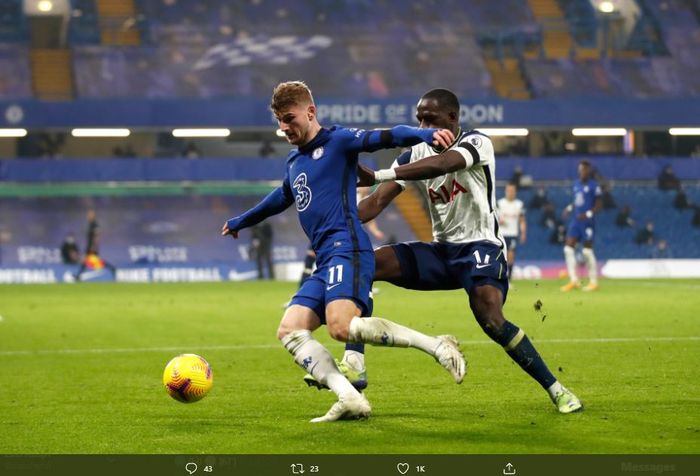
x=601 y=340
x=665 y=284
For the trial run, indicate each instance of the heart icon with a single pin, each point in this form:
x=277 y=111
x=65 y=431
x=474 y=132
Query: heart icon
x=402 y=468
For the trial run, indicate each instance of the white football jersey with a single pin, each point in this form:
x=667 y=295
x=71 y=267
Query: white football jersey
x=462 y=204
x=509 y=213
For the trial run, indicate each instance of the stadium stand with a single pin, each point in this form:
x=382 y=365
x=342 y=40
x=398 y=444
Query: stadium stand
x=190 y=48
x=15 y=73
x=177 y=52
x=84 y=27
x=139 y=224
x=13 y=25
x=648 y=204
x=205 y=198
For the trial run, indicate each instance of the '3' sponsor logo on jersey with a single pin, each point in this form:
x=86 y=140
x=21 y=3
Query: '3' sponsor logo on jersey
x=303 y=195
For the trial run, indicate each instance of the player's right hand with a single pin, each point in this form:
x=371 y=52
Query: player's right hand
x=365 y=176
x=443 y=138
x=225 y=231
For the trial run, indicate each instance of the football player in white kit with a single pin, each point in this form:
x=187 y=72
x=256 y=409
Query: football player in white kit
x=468 y=248
x=511 y=217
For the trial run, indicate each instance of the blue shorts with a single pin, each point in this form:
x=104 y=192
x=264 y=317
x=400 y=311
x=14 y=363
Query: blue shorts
x=581 y=230
x=340 y=275
x=445 y=266
x=511 y=242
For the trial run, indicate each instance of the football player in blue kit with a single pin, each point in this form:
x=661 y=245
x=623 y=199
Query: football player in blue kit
x=587 y=202
x=321 y=180
x=468 y=250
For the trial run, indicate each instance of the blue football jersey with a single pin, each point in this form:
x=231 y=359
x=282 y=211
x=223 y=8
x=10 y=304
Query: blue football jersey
x=322 y=177
x=585 y=194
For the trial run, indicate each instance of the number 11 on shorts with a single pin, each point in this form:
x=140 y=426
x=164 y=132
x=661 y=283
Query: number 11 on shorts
x=335 y=274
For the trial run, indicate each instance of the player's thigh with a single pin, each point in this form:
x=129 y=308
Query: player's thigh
x=387 y=265
x=312 y=295
x=296 y=318
x=423 y=267
x=486 y=301
x=478 y=264
x=575 y=232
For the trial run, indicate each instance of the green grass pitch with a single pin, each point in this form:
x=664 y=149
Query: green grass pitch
x=81 y=366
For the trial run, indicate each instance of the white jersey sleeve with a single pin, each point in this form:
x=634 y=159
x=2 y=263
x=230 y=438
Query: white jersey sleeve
x=476 y=149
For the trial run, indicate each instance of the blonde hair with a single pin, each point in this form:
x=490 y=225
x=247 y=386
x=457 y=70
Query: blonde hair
x=290 y=93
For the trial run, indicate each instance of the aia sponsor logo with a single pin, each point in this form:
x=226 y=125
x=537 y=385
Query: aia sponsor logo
x=443 y=195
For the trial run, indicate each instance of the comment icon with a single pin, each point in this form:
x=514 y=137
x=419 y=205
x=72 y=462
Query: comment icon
x=191 y=467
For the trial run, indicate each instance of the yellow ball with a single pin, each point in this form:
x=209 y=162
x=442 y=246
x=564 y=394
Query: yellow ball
x=188 y=378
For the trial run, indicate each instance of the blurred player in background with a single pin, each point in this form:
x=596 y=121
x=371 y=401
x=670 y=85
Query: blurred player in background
x=581 y=229
x=261 y=249
x=511 y=216
x=70 y=253
x=321 y=180
x=467 y=251
x=92 y=259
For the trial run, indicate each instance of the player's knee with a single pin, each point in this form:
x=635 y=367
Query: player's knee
x=486 y=300
x=339 y=332
x=491 y=325
x=338 y=328
x=282 y=332
x=387 y=265
x=487 y=308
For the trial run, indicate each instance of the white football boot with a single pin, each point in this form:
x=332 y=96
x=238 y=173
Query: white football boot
x=355 y=407
x=449 y=356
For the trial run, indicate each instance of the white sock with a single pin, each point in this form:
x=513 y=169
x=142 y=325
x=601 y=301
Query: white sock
x=555 y=389
x=354 y=359
x=592 y=265
x=310 y=355
x=378 y=331
x=570 y=257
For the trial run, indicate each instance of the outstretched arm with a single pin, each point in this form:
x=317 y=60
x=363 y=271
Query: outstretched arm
x=276 y=202
x=399 y=136
x=427 y=168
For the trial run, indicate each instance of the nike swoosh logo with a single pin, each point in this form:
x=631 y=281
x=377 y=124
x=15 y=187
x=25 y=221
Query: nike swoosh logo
x=479 y=266
x=90 y=274
x=328 y=288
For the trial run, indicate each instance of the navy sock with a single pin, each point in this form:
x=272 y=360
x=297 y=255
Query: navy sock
x=520 y=349
x=356 y=346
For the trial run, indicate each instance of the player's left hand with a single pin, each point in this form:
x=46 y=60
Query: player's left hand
x=226 y=231
x=443 y=138
x=365 y=176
